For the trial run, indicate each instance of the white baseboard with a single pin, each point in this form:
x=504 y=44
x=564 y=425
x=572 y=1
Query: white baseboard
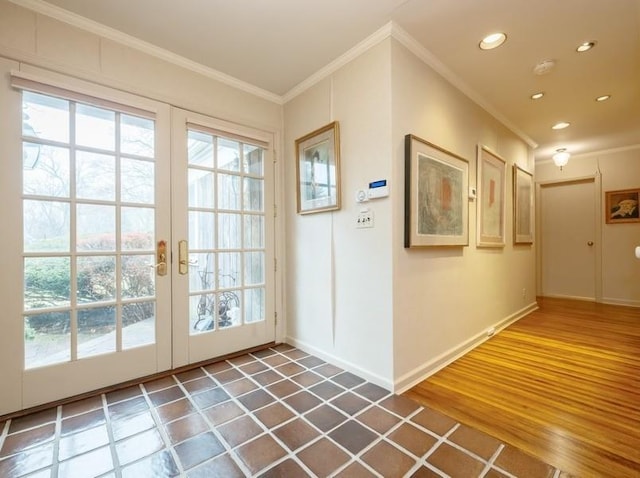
x=570 y=297
x=628 y=303
x=420 y=373
x=383 y=382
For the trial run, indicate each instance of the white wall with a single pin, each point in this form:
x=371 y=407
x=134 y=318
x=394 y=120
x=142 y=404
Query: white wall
x=620 y=169
x=339 y=277
x=446 y=298
x=37 y=39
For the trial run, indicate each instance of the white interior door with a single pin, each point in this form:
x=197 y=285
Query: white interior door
x=568 y=242
x=223 y=237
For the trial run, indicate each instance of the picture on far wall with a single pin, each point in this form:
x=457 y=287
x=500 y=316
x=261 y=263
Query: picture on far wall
x=522 y=206
x=622 y=206
x=436 y=195
x=318 y=170
x=491 y=187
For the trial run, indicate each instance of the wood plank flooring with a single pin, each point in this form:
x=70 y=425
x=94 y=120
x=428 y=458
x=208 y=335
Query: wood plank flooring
x=562 y=384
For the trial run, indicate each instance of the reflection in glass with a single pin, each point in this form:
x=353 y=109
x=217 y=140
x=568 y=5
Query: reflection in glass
x=95 y=176
x=228 y=154
x=253 y=268
x=138 y=324
x=200 y=149
x=96 y=278
x=138 y=276
x=46 y=226
x=46 y=282
x=229 y=310
x=95 y=227
x=253 y=232
x=201 y=272
x=137 y=181
x=201 y=188
x=137 y=228
x=229 y=232
x=202 y=313
x=47 y=339
x=45 y=117
x=228 y=269
x=137 y=136
x=96 y=331
x=253 y=160
x=95 y=127
x=201 y=230
x=48 y=174
x=253 y=194
x=254 y=305
x=229 y=192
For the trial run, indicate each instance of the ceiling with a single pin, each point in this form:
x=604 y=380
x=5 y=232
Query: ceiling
x=275 y=45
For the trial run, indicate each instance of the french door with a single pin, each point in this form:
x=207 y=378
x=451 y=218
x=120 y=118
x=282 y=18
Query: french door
x=128 y=255
x=223 y=236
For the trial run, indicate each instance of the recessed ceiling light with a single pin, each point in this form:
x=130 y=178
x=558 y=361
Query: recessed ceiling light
x=561 y=125
x=493 y=41
x=537 y=96
x=586 y=46
x=603 y=98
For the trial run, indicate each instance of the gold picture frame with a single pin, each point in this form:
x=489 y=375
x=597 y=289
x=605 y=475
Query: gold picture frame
x=318 y=170
x=622 y=206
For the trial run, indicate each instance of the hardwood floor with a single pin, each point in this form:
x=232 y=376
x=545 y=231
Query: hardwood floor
x=562 y=384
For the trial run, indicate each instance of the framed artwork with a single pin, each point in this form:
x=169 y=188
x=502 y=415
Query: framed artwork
x=436 y=196
x=522 y=206
x=318 y=170
x=491 y=191
x=622 y=206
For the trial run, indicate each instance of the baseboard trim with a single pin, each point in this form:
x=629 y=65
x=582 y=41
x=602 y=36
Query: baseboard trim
x=570 y=297
x=424 y=371
x=625 y=302
x=337 y=361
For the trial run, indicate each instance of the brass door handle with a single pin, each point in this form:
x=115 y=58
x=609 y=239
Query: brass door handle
x=590 y=243
x=161 y=255
x=183 y=260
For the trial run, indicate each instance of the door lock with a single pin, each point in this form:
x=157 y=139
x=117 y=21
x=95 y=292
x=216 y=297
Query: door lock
x=161 y=257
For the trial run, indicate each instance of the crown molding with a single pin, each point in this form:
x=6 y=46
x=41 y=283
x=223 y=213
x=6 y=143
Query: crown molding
x=44 y=8
x=372 y=40
x=430 y=59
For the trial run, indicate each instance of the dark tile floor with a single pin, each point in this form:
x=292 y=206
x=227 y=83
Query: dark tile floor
x=275 y=413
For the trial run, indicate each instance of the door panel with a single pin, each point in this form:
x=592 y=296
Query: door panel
x=568 y=240
x=86 y=305
x=223 y=196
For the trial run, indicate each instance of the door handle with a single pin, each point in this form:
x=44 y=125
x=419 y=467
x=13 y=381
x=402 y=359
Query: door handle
x=161 y=257
x=590 y=243
x=183 y=260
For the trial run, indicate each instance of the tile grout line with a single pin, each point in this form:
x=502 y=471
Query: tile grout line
x=161 y=430
x=298 y=415
x=212 y=428
x=3 y=435
x=112 y=442
x=55 y=465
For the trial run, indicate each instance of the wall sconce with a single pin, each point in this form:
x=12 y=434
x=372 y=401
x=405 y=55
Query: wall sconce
x=561 y=158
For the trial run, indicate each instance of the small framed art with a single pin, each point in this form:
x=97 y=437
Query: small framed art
x=318 y=170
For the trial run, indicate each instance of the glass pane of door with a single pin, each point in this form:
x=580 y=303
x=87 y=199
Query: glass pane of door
x=226 y=210
x=89 y=230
